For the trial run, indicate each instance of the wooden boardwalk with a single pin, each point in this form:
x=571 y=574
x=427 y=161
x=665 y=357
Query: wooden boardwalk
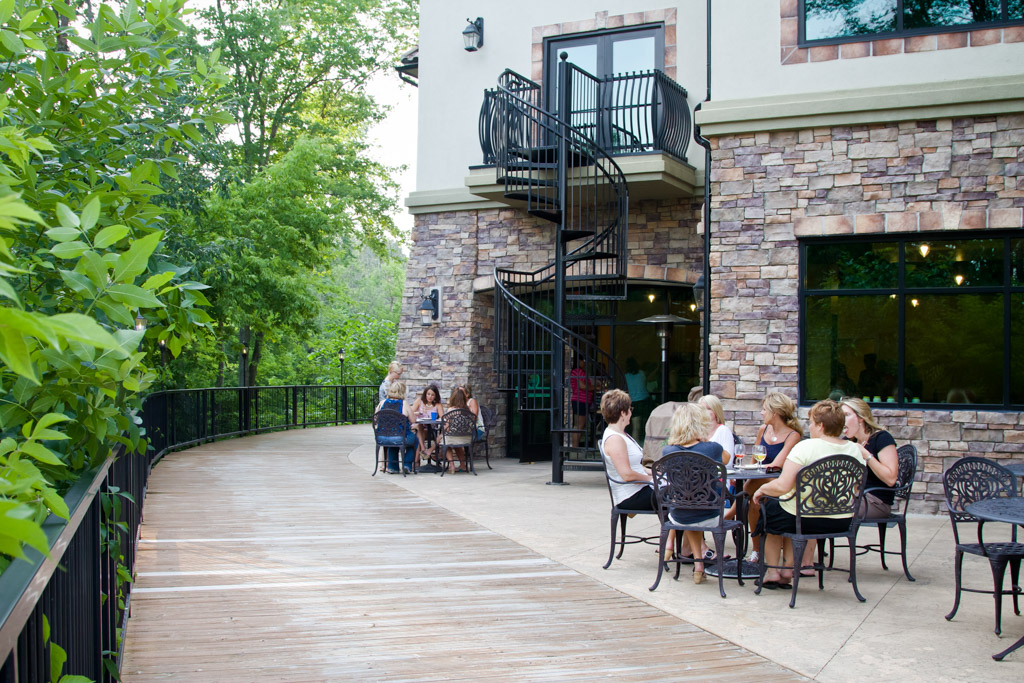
x=273 y=558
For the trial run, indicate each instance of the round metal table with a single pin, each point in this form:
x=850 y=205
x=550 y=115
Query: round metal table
x=730 y=567
x=1010 y=511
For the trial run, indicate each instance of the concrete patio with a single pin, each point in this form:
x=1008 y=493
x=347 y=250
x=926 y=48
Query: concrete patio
x=899 y=633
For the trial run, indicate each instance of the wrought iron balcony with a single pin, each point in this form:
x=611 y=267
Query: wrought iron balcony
x=641 y=118
x=632 y=113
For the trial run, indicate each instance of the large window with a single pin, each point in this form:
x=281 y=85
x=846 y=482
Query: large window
x=933 y=320
x=837 y=21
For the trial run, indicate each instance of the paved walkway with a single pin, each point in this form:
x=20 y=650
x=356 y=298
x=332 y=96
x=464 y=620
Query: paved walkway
x=278 y=558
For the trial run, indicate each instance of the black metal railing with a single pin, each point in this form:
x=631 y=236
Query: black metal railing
x=75 y=594
x=630 y=113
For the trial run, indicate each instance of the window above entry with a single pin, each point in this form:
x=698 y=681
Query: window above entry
x=828 y=22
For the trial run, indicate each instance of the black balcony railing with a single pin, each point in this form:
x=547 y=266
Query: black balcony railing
x=75 y=594
x=632 y=113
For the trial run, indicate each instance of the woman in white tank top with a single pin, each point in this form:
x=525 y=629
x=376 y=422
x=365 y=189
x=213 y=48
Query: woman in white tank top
x=623 y=455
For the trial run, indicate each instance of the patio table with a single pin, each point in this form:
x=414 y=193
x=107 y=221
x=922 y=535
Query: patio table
x=1018 y=471
x=431 y=424
x=750 y=570
x=1010 y=511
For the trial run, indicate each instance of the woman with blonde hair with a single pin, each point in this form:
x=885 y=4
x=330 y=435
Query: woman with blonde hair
x=395 y=400
x=879 y=451
x=779 y=433
x=689 y=432
x=720 y=434
x=395 y=370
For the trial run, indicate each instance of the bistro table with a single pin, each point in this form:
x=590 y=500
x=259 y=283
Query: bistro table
x=1010 y=511
x=1018 y=471
x=750 y=569
x=431 y=423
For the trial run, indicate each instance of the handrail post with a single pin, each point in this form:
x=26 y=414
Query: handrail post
x=344 y=403
x=295 y=406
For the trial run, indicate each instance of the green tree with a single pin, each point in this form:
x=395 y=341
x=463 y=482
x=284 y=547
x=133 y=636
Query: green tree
x=79 y=236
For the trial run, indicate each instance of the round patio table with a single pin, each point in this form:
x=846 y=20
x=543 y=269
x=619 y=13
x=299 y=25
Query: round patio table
x=1010 y=511
x=431 y=424
x=730 y=567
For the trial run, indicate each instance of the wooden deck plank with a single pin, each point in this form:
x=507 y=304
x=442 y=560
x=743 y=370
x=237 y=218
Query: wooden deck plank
x=272 y=558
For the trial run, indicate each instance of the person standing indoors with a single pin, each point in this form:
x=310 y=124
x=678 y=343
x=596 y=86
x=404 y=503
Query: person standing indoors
x=581 y=395
x=879 y=451
x=779 y=433
x=395 y=370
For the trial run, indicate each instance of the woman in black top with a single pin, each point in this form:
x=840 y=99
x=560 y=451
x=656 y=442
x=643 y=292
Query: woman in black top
x=879 y=451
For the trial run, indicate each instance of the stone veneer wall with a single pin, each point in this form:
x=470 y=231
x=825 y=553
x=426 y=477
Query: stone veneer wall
x=770 y=189
x=452 y=249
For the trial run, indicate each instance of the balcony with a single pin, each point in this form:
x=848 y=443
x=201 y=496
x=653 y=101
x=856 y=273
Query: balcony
x=642 y=119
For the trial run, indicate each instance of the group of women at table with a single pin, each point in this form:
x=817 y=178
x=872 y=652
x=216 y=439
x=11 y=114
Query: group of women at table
x=420 y=441
x=836 y=427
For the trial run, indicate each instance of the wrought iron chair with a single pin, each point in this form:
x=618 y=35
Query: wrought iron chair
x=907 y=456
x=967 y=481
x=831 y=486
x=691 y=481
x=620 y=516
x=389 y=431
x=458 y=429
x=489 y=419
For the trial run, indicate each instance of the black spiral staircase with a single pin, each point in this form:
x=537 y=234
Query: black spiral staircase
x=545 y=320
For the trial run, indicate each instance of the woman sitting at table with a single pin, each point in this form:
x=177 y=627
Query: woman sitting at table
x=427 y=406
x=879 y=451
x=396 y=401
x=780 y=432
x=689 y=432
x=629 y=481
x=827 y=423
x=457 y=401
x=475 y=408
x=395 y=371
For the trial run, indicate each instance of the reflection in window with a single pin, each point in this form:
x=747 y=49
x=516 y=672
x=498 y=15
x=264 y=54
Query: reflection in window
x=857 y=265
x=934 y=333
x=829 y=19
x=845 y=356
x=954 y=263
x=954 y=343
x=838 y=19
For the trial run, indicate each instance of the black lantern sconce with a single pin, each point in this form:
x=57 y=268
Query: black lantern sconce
x=140 y=323
x=473 y=34
x=430 y=309
x=698 y=294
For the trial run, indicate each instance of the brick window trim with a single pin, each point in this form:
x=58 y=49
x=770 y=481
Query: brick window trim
x=600 y=22
x=792 y=53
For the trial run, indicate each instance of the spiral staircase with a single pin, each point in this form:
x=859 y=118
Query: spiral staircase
x=545 y=320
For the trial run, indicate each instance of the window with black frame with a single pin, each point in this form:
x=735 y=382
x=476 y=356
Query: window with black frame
x=934 y=320
x=836 y=21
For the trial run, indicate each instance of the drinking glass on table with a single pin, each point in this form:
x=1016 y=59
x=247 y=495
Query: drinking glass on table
x=760 y=453
x=737 y=456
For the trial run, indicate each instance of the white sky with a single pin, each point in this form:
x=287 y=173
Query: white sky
x=395 y=137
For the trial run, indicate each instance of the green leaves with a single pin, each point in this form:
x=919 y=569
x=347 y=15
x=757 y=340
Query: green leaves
x=135 y=261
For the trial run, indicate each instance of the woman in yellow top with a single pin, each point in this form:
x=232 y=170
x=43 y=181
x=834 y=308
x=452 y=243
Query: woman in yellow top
x=827 y=423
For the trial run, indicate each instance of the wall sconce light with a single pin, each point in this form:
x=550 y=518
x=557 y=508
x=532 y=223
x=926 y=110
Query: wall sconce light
x=959 y=279
x=693 y=307
x=915 y=303
x=140 y=323
x=650 y=297
x=924 y=249
x=430 y=309
x=698 y=294
x=473 y=34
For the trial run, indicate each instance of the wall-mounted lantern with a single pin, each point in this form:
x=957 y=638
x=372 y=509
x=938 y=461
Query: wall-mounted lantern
x=473 y=34
x=430 y=309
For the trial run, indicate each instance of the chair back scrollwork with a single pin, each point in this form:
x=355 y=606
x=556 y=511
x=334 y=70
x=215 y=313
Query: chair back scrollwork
x=907 y=458
x=971 y=479
x=689 y=481
x=389 y=423
x=829 y=487
x=458 y=422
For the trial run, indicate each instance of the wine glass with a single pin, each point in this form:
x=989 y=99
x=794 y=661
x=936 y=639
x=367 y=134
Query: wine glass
x=737 y=456
x=760 y=453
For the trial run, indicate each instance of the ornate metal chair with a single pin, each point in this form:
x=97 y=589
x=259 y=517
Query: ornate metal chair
x=489 y=419
x=691 y=481
x=458 y=429
x=619 y=517
x=967 y=481
x=832 y=486
x=389 y=430
x=907 y=456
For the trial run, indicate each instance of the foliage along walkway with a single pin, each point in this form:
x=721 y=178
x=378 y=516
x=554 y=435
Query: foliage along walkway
x=273 y=558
